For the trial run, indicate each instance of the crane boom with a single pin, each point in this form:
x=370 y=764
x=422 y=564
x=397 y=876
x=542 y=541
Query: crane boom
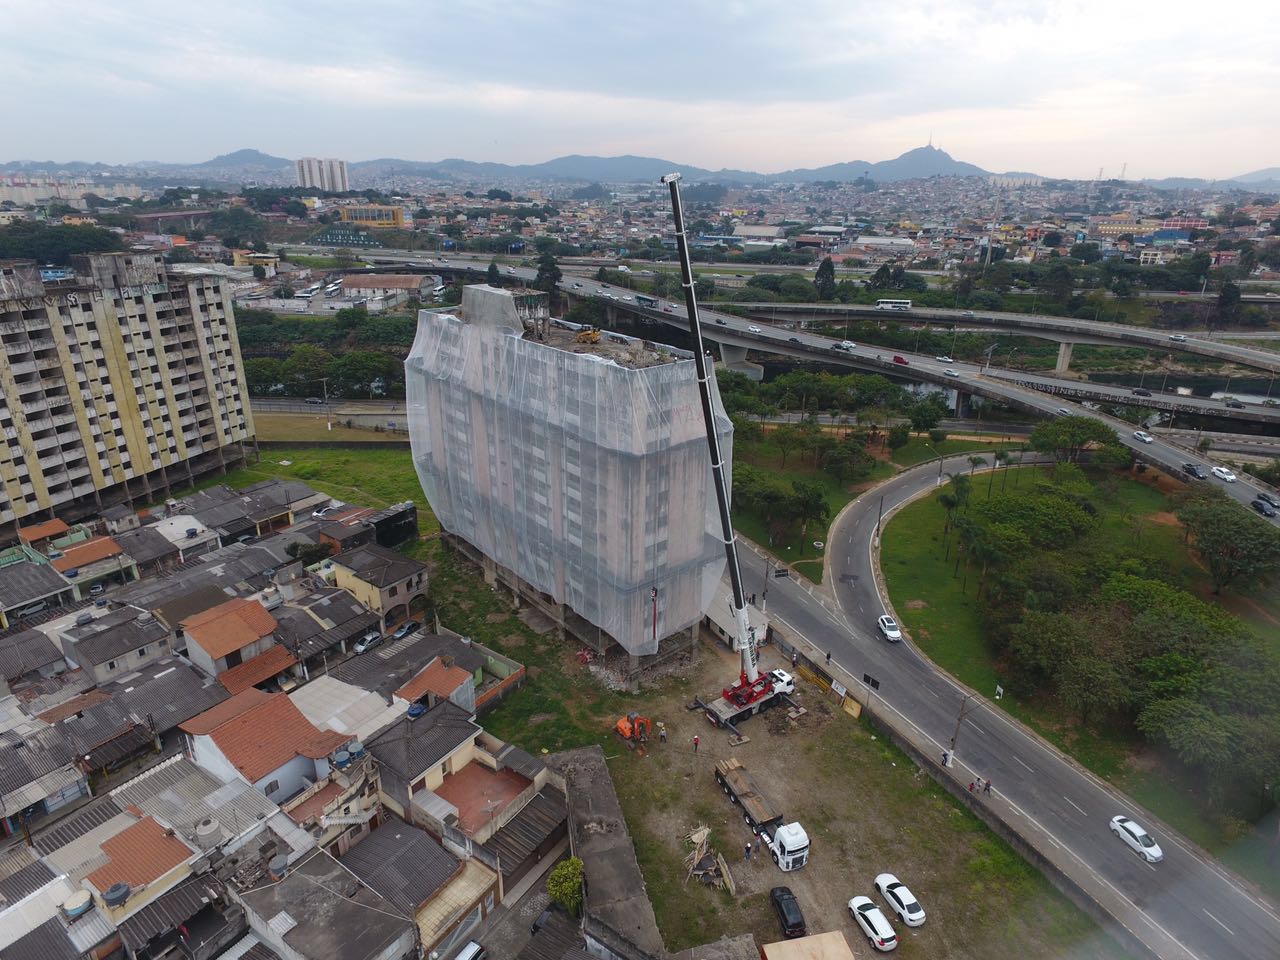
x=746 y=640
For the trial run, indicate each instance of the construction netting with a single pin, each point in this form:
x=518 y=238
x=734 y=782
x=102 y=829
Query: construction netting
x=583 y=473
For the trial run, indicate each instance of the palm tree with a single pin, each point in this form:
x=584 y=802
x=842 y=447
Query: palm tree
x=960 y=486
x=999 y=458
x=975 y=463
x=949 y=503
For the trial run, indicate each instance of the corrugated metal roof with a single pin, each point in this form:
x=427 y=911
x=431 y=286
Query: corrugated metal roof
x=164 y=913
x=404 y=864
x=180 y=793
x=48 y=941
x=526 y=831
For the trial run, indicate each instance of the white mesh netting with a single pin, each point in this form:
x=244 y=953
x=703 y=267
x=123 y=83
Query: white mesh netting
x=589 y=479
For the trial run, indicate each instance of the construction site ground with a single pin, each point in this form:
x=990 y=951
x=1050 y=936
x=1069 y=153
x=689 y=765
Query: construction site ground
x=867 y=809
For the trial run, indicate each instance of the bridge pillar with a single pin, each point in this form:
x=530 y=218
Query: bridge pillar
x=734 y=357
x=962 y=404
x=1064 y=357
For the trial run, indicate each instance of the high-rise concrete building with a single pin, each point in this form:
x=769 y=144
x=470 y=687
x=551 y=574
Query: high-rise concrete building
x=571 y=464
x=118 y=383
x=327 y=175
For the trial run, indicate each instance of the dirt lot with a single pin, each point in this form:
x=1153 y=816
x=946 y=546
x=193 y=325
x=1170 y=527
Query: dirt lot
x=866 y=808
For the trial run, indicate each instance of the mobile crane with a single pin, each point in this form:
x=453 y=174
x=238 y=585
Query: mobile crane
x=754 y=691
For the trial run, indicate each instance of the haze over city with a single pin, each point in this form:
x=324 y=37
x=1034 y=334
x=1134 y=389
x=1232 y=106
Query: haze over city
x=1060 y=91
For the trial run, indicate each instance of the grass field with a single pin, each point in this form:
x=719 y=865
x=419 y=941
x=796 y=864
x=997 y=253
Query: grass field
x=919 y=449
x=309 y=426
x=940 y=612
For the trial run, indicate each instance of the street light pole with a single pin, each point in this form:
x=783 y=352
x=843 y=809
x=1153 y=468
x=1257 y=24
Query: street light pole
x=328 y=415
x=965 y=708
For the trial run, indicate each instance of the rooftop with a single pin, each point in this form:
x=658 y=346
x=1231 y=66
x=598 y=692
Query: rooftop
x=145 y=544
x=83 y=554
x=274 y=660
x=25 y=651
x=379 y=566
x=343 y=707
x=139 y=855
x=25 y=582
x=404 y=864
x=230 y=626
x=113 y=635
x=480 y=794
x=165 y=693
x=208 y=721
x=387 y=668
x=270 y=734
x=42 y=531
x=437 y=677
x=410 y=746
x=323 y=913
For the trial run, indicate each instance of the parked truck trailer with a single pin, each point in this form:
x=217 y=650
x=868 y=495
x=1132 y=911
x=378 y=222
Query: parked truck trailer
x=787 y=842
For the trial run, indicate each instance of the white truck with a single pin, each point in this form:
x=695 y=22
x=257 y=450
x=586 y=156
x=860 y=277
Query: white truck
x=743 y=700
x=788 y=842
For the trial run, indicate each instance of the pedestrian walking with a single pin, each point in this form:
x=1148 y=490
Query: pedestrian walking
x=695 y=743
x=662 y=732
x=971 y=786
x=945 y=757
x=828 y=658
x=986 y=787
x=795 y=659
x=748 y=851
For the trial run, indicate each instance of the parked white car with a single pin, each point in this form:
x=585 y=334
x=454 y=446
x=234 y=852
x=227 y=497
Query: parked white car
x=873 y=923
x=1138 y=840
x=900 y=899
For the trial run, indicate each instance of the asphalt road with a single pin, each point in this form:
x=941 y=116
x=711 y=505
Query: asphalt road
x=1185 y=908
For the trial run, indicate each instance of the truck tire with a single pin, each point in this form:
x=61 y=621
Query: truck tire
x=746 y=817
x=775 y=858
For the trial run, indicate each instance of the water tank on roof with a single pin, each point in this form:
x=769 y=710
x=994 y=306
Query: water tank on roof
x=77 y=905
x=72 y=573
x=416 y=710
x=208 y=833
x=342 y=759
x=83 y=618
x=278 y=867
x=191 y=533
x=356 y=749
x=116 y=894
x=54 y=554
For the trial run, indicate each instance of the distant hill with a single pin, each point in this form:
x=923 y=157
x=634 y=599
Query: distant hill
x=912 y=165
x=241 y=159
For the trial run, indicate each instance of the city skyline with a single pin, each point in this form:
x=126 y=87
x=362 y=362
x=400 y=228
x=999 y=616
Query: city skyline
x=744 y=86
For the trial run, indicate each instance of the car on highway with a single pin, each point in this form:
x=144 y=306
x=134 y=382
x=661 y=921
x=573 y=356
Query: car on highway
x=1194 y=470
x=787 y=907
x=1264 y=508
x=944 y=359
x=577 y=286
x=847 y=345
x=369 y=641
x=628 y=299
x=1223 y=474
x=1143 y=436
x=1140 y=392
x=1178 y=337
x=511 y=270
x=753 y=329
x=1063 y=412
x=951 y=372
x=873 y=923
x=722 y=321
x=405 y=629
x=889 y=628
x=1270 y=498
x=968 y=314
x=666 y=308
x=900 y=899
x=1141 y=842
x=1233 y=403
x=793 y=339
x=1272 y=294
x=900 y=360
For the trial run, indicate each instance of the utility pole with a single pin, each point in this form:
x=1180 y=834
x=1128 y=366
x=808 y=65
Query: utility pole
x=328 y=416
x=965 y=709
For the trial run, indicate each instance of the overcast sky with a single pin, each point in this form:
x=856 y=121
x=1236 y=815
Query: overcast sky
x=1057 y=87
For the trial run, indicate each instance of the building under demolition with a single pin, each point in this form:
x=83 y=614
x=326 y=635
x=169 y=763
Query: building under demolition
x=572 y=463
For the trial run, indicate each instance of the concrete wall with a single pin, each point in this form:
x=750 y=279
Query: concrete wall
x=293 y=776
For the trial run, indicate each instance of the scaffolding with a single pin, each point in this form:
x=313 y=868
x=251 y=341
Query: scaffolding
x=582 y=468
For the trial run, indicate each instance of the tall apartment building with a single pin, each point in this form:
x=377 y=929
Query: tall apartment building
x=575 y=472
x=328 y=175
x=117 y=383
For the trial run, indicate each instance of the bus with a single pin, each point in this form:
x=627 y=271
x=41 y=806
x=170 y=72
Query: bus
x=308 y=293
x=333 y=289
x=646 y=301
x=893 y=304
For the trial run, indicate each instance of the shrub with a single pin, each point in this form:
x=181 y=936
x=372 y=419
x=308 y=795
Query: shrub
x=564 y=884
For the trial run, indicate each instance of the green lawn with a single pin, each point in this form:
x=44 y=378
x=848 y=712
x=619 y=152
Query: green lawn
x=919 y=449
x=939 y=610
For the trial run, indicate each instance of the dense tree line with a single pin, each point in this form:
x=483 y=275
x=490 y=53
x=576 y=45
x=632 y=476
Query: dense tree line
x=1093 y=620
x=26 y=240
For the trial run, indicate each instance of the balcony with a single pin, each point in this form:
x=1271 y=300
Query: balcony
x=63 y=419
x=44 y=443
x=35 y=407
x=82 y=489
x=23 y=367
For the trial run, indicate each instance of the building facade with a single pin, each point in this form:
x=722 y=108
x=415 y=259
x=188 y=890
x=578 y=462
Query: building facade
x=327 y=175
x=115 y=384
x=579 y=472
x=374 y=215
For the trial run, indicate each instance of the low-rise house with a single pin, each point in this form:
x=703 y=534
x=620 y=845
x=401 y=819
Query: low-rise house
x=264 y=740
x=189 y=536
x=446 y=896
x=228 y=635
x=114 y=644
x=382 y=580
x=99 y=560
x=29 y=586
x=417 y=752
x=164 y=695
x=319 y=627
x=37 y=536
x=26 y=655
x=151 y=552
x=38 y=775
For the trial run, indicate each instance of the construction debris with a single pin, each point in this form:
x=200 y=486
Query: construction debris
x=707 y=864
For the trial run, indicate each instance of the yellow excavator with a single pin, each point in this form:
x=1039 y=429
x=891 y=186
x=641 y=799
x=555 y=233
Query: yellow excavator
x=589 y=335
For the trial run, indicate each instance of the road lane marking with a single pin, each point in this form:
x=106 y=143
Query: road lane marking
x=978 y=728
x=1218 y=922
x=1029 y=769
x=1068 y=799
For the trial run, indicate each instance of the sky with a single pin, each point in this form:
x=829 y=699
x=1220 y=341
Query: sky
x=1175 y=88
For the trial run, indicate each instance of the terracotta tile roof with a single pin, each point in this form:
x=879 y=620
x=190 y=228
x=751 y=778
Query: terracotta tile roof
x=262 y=667
x=229 y=626
x=83 y=554
x=139 y=854
x=74 y=706
x=435 y=678
x=42 y=531
x=314 y=805
x=269 y=735
x=214 y=717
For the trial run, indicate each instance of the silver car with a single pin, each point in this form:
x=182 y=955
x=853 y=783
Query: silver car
x=889 y=628
x=1138 y=840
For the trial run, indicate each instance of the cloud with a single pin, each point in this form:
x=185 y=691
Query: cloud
x=1059 y=88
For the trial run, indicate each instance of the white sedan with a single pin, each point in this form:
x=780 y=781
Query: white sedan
x=1138 y=839
x=900 y=900
x=1143 y=436
x=951 y=372
x=1223 y=474
x=944 y=359
x=873 y=923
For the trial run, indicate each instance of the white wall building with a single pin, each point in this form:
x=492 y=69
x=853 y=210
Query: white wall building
x=328 y=175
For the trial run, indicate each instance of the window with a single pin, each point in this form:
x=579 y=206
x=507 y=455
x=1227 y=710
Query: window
x=142 y=651
x=392 y=591
x=272 y=787
x=111 y=664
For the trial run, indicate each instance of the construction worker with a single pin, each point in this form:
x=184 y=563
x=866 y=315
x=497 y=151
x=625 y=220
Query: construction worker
x=662 y=732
